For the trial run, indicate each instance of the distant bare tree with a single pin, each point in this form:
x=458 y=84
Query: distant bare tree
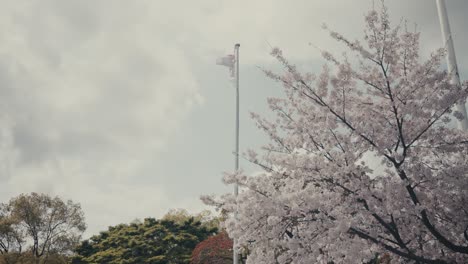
x=39 y=225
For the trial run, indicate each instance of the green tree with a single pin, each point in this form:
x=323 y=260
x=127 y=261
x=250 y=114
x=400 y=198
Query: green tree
x=151 y=241
x=206 y=217
x=37 y=228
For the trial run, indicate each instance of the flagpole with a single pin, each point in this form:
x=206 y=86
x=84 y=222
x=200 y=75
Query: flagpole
x=235 y=253
x=451 y=59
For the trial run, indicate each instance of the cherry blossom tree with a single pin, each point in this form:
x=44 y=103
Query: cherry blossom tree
x=363 y=159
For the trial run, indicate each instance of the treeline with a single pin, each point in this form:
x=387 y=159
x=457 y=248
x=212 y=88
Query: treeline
x=39 y=229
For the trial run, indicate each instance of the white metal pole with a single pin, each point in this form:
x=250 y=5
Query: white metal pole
x=235 y=253
x=451 y=59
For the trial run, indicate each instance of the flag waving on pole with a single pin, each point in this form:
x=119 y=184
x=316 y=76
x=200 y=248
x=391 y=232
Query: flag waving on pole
x=232 y=62
x=228 y=61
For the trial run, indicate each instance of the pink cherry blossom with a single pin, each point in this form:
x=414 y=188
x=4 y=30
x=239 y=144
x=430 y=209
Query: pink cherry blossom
x=319 y=200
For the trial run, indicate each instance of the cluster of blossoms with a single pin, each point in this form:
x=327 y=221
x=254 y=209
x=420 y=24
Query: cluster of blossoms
x=320 y=198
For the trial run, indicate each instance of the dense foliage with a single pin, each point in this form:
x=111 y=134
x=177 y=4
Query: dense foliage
x=180 y=216
x=151 y=241
x=216 y=249
x=362 y=160
x=36 y=227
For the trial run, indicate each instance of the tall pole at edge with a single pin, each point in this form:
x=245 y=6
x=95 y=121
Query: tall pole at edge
x=235 y=256
x=451 y=59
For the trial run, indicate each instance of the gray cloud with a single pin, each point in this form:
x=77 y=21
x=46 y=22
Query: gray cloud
x=91 y=96
x=118 y=104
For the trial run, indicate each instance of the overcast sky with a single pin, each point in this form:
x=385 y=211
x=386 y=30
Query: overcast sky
x=118 y=105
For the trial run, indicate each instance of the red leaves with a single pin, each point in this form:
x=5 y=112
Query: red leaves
x=213 y=250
